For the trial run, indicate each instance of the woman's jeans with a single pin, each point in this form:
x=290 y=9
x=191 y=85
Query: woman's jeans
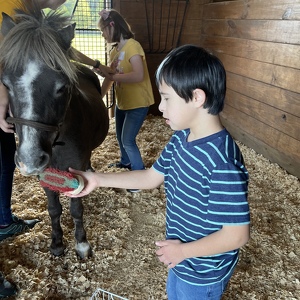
x=177 y=289
x=128 y=124
x=7 y=167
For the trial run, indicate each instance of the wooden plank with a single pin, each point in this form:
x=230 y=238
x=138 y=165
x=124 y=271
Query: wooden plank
x=242 y=126
x=282 y=159
x=224 y=10
x=276 y=118
x=263 y=30
x=275 y=53
x=283 y=77
x=254 y=9
x=117 y=6
x=262 y=131
x=153 y=61
x=282 y=99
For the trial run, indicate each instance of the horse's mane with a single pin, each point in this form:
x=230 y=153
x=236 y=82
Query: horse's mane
x=35 y=36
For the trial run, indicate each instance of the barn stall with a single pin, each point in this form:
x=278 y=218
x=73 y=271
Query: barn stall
x=122 y=228
x=258 y=42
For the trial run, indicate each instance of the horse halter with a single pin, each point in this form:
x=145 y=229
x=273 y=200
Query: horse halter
x=37 y=125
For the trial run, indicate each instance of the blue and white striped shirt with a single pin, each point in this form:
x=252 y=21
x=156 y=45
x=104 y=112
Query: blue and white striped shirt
x=206 y=186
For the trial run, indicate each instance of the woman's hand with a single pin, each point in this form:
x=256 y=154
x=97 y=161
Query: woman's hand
x=104 y=71
x=6 y=127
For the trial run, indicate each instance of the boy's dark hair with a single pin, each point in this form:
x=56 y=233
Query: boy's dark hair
x=189 y=67
x=121 y=27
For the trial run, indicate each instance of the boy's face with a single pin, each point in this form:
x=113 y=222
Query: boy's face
x=178 y=114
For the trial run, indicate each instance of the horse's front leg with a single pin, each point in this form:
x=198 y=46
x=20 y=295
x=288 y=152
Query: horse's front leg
x=55 y=210
x=83 y=248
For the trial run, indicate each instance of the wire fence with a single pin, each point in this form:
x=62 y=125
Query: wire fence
x=88 y=39
x=100 y=294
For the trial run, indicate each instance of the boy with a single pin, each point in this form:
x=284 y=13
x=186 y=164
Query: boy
x=206 y=183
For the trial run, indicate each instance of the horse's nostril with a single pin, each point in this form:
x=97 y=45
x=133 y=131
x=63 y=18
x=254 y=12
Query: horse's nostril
x=44 y=160
x=30 y=165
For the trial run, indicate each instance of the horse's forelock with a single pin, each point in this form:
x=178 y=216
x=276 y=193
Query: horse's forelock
x=37 y=38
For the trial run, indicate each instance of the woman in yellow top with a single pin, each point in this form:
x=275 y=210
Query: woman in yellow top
x=132 y=86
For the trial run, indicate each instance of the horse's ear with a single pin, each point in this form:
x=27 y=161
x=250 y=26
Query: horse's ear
x=67 y=34
x=7 y=24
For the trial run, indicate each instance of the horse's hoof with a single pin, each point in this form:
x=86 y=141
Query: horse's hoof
x=57 y=251
x=84 y=250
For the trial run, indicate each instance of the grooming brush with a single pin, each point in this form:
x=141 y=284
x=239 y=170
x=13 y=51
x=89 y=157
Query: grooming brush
x=61 y=181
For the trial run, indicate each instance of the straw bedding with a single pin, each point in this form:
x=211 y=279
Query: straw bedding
x=123 y=227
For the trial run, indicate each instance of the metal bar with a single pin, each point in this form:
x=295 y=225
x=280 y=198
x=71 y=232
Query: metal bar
x=174 y=32
x=160 y=25
x=153 y=19
x=183 y=18
x=168 y=23
x=148 y=26
x=74 y=7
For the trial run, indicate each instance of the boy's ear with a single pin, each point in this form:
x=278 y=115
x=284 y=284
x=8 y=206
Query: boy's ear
x=199 y=97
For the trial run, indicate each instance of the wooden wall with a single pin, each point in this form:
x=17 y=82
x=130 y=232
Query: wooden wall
x=258 y=43
x=154 y=22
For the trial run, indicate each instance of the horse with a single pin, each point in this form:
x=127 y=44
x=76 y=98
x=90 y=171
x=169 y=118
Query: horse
x=55 y=105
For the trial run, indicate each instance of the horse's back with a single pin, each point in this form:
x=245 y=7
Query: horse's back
x=87 y=121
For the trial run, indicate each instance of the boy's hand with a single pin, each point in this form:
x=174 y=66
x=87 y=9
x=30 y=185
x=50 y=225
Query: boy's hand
x=90 y=183
x=170 y=252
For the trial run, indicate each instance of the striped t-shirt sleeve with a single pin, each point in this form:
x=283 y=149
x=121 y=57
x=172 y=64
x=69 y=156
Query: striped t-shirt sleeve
x=227 y=204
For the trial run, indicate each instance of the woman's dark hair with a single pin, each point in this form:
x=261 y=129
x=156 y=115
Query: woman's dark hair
x=189 y=67
x=121 y=27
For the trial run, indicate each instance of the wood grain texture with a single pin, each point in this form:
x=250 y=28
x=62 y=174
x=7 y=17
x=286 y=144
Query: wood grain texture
x=254 y=10
x=258 y=43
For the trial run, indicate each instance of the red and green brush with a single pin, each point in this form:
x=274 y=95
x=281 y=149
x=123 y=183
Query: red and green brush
x=61 y=181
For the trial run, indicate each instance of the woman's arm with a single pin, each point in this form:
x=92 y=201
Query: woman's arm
x=137 y=73
x=106 y=85
x=101 y=69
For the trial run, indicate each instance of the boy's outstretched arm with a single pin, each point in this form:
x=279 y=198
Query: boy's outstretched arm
x=172 y=252
x=140 y=179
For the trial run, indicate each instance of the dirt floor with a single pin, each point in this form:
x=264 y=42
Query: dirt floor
x=123 y=227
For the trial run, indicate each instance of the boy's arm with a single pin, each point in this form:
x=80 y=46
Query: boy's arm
x=140 y=179
x=172 y=252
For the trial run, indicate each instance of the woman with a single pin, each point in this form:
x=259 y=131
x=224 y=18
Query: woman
x=133 y=88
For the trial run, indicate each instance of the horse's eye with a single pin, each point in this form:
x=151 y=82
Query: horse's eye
x=7 y=87
x=61 y=90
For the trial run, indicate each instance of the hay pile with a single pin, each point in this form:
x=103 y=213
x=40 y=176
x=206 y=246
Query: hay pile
x=123 y=227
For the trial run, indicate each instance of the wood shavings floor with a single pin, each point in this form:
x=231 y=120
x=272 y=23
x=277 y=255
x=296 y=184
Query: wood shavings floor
x=123 y=227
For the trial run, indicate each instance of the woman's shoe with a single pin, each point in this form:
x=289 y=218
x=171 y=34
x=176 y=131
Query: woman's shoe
x=120 y=166
x=16 y=227
x=7 y=289
x=133 y=190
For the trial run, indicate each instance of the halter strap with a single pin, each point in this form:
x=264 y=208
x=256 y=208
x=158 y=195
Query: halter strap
x=34 y=124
